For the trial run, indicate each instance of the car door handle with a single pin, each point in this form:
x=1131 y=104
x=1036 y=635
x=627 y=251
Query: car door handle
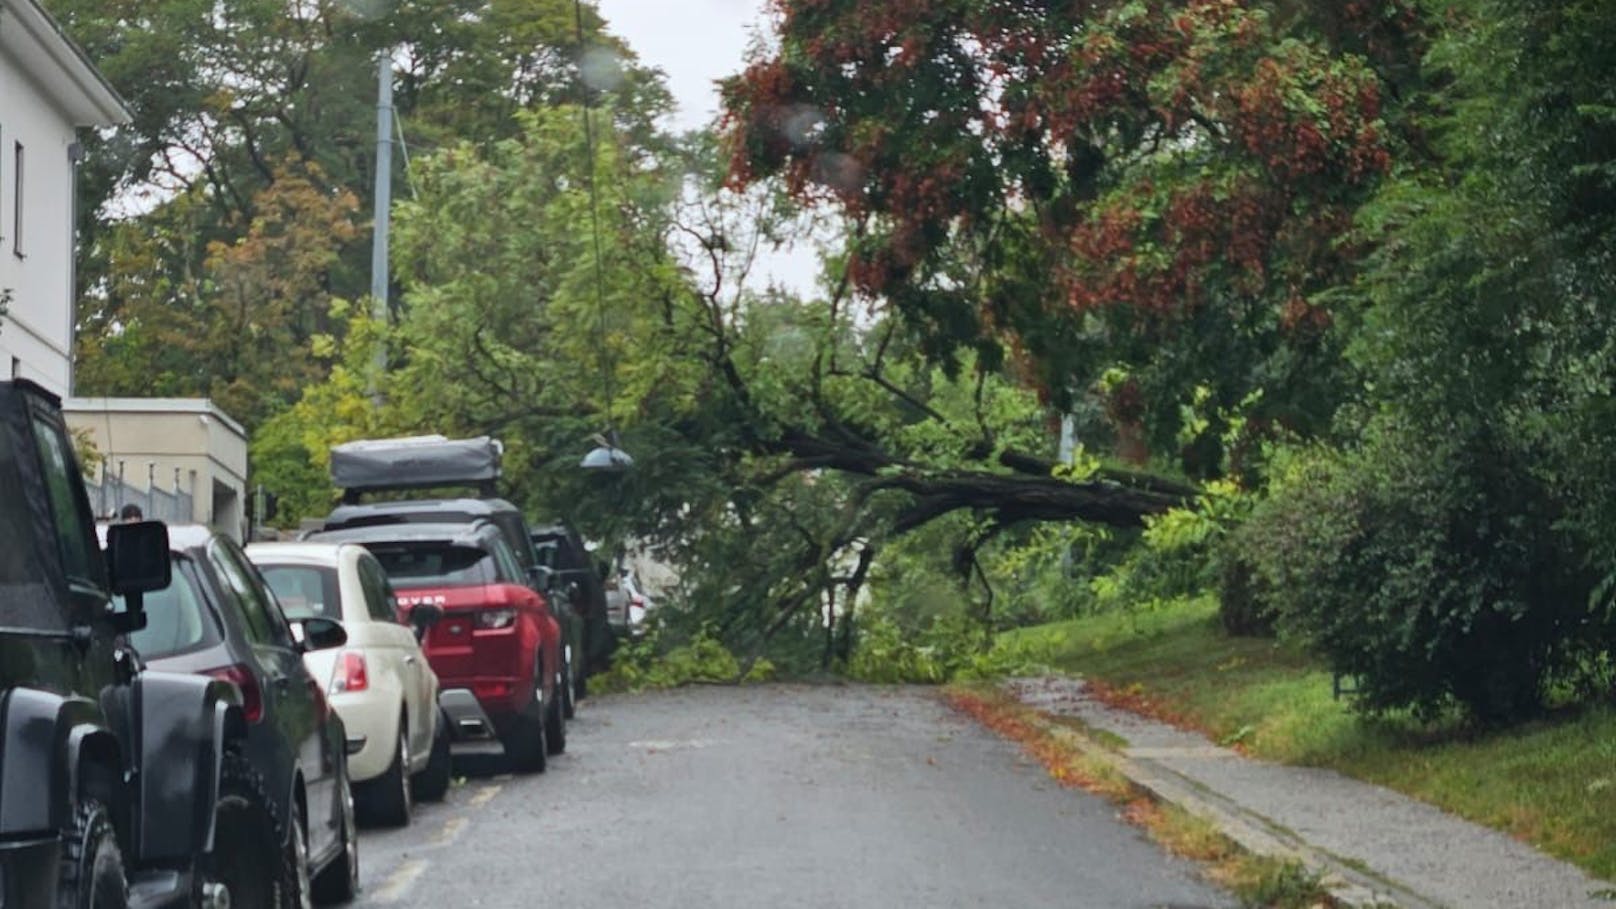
x=409 y=661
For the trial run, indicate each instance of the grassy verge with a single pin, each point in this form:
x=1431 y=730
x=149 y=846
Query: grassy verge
x=1550 y=783
x=1257 y=881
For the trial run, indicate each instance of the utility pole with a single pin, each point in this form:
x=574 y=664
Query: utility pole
x=384 y=204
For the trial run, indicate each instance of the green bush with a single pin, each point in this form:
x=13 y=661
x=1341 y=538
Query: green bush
x=1430 y=567
x=1244 y=608
x=648 y=664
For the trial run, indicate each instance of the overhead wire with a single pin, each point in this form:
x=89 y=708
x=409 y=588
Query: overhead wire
x=594 y=225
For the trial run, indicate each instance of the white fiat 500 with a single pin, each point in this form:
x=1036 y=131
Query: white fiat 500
x=379 y=682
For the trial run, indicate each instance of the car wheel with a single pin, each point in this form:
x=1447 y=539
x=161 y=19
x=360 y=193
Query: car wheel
x=525 y=745
x=387 y=798
x=296 y=891
x=339 y=882
x=555 y=727
x=246 y=836
x=92 y=865
x=569 y=690
x=432 y=783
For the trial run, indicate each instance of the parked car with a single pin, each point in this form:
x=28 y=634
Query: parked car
x=379 y=682
x=109 y=779
x=639 y=604
x=218 y=618
x=497 y=647
x=435 y=462
x=576 y=579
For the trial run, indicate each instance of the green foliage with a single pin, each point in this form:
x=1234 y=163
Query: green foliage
x=647 y=664
x=951 y=648
x=1430 y=570
x=1177 y=556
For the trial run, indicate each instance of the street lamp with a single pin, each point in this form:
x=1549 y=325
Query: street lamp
x=606 y=456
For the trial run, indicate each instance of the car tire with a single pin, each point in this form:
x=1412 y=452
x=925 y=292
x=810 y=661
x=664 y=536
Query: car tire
x=432 y=783
x=246 y=832
x=296 y=889
x=339 y=881
x=569 y=691
x=525 y=745
x=387 y=798
x=555 y=727
x=92 y=875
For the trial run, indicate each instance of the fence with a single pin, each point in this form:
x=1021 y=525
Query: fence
x=110 y=494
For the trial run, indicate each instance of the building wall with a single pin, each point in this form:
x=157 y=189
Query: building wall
x=36 y=335
x=154 y=438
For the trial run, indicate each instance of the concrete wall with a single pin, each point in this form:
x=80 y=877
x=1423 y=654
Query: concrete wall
x=159 y=436
x=36 y=335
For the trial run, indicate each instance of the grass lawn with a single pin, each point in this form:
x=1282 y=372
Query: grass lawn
x=1550 y=783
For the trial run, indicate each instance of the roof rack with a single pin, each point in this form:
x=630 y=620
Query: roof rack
x=416 y=462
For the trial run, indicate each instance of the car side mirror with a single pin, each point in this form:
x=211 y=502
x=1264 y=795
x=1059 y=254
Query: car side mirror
x=541 y=577
x=423 y=616
x=319 y=634
x=138 y=562
x=138 y=558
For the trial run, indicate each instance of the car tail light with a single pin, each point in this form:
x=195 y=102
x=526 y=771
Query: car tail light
x=252 y=700
x=492 y=690
x=637 y=600
x=352 y=674
x=495 y=618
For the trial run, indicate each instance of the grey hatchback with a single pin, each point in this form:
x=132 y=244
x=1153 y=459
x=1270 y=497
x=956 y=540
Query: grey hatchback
x=219 y=618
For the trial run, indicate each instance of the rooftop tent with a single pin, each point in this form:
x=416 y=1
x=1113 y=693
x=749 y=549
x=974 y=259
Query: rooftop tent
x=419 y=462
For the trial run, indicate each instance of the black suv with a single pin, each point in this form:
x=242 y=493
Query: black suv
x=581 y=579
x=109 y=773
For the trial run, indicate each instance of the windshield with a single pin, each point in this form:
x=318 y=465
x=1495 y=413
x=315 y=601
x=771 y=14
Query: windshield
x=305 y=591
x=177 y=617
x=411 y=565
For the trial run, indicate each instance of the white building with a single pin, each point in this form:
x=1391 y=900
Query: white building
x=48 y=91
x=182 y=460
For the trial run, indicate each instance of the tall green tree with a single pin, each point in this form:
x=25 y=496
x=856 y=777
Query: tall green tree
x=231 y=97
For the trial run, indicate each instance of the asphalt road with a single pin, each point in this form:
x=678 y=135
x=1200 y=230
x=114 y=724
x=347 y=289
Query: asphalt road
x=773 y=797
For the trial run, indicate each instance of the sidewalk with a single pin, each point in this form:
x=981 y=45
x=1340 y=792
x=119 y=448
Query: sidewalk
x=1374 y=846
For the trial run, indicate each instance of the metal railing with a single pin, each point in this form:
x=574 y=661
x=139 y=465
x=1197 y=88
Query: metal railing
x=109 y=495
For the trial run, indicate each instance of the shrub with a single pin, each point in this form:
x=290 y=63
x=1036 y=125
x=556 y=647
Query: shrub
x=1244 y=609
x=648 y=664
x=1428 y=566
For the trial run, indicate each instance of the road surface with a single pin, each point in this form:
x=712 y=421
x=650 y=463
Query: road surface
x=779 y=796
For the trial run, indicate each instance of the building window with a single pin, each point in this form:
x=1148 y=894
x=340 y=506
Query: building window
x=16 y=201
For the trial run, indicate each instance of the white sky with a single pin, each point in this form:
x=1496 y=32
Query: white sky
x=694 y=41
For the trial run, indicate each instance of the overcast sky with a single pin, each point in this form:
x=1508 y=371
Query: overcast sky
x=693 y=41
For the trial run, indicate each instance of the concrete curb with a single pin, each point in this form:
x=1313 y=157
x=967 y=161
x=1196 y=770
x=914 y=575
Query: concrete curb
x=1347 y=884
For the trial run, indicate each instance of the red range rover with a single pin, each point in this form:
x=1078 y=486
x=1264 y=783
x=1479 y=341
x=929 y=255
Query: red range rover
x=496 y=648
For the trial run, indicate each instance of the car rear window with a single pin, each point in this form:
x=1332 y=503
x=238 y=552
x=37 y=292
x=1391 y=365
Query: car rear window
x=305 y=591
x=434 y=564
x=177 y=617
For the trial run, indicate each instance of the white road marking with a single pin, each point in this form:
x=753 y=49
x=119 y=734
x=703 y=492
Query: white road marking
x=668 y=745
x=452 y=829
x=483 y=796
x=398 y=884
